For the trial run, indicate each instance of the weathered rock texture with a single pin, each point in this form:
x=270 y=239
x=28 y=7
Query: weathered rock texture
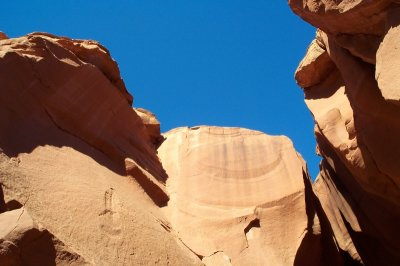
x=23 y=242
x=78 y=159
x=351 y=82
x=87 y=180
x=240 y=197
x=152 y=126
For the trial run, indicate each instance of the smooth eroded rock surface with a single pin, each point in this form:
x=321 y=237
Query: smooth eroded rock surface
x=239 y=196
x=78 y=159
x=152 y=125
x=356 y=112
x=85 y=179
x=387 y=71
x=75 y=86
x=23 y=242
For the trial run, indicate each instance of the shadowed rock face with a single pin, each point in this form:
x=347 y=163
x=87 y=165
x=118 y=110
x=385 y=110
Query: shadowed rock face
x=353 y=17
x=81 y=181
x=351 y=78
x=83 y=164
x=152 y=125
x=78 y=159
x=74 y=86
x=3 y=36
x=23 y=242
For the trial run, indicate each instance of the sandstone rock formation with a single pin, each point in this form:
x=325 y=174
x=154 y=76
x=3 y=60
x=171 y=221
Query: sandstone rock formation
x=24 y=243
x=87 y=180
x=152 y=125
x=237 y=196
x=78 y=159
x=351 y=78
x=3 y=36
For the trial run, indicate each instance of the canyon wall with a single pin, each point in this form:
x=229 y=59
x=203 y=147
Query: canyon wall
x=351 y=82
x=88 y=180
x=81 y=182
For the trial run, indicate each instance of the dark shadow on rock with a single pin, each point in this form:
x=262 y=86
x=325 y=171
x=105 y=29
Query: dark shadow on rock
x=374 y=119
x=35 y=113
x=13 y=205
x=253 y=224
x=9 y=205
x=376 y=217
x=3 y=206
x=326 y=88
x=158 y=196
x=25 y=134
x=319 y=249
x=37 y=248
x=56 y=138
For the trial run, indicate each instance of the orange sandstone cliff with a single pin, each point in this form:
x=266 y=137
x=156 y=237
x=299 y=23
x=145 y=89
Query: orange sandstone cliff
x=350 y=76
x=238 y=196
x=80 y=180
x=87 y=180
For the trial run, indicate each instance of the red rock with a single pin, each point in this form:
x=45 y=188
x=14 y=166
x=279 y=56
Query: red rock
x=152 y=125
x=84 y=164
x=315 y=66
x=357 y=129
x=3 y=36
x=78 y=158
x=352 y=17
x=60 y=76
x=363 y=46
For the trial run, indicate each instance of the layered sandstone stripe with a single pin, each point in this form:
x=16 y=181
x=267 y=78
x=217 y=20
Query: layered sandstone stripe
x=237 y=196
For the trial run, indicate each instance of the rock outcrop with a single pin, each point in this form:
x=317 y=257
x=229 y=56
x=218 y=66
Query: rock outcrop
x=23 y=242
x=78 y=159
x=75 y=85
x=240 y=197
x=152 y=125
x=3 y=36
x=351 y=83
x=85 y=179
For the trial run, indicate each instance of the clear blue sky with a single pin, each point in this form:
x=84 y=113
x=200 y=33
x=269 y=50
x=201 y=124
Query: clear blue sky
x=226 y=63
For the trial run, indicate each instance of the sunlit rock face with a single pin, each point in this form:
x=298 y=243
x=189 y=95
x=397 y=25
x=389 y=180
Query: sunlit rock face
x=152 y=125
x=23 y=242
x=87 y=180
x=80 y=179
x=351 y=78
x=240 y=197
x=76 y=86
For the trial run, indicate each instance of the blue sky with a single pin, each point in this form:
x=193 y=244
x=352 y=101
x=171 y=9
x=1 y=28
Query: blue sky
x=226 y=63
